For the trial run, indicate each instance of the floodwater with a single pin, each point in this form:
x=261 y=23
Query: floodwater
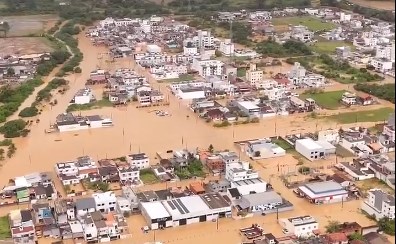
x=140 y=130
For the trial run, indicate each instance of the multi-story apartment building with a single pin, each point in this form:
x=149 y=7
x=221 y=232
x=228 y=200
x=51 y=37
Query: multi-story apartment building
x=139 y=160
x=208 y=67
x=379 y=204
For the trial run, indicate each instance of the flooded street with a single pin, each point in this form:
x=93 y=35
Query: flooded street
x=140 y=130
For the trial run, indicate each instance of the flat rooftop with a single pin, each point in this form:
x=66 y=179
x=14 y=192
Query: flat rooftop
x=184 y=207
x=322 y=189
x=214 y=200
x=155 y=210
x=309 y=143
x=248 y=105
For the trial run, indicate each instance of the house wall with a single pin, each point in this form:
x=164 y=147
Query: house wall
x=308 y=153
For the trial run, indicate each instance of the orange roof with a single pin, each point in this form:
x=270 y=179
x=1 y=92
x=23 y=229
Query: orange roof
x=87 y=171
x=375 y=146
x=109 y=219
x=197 y=187
x=337 y=237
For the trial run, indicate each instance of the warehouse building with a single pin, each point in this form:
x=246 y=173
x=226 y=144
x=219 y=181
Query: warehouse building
x=185 y=210
x=323 y=192
x=156 y=215
x=195 y=209
x=310 y=149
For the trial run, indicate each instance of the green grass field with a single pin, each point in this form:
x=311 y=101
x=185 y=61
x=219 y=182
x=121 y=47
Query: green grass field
x=327 y=100
x=148 y=176
x=311 y=23
x=5 y=232
x=328 y=47
x=181 y=78
x=375 y=115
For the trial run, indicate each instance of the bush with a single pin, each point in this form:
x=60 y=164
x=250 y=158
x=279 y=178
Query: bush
x=13 y=128
x=28 y=112
x=304 y=170
x=77 y=70
x=12 y=98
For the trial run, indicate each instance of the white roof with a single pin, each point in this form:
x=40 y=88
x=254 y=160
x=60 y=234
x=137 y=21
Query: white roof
x=76 y=226
x=155 y=210
x=325 y=144
x=194 y=204
x=248 y=105
x=309 y=143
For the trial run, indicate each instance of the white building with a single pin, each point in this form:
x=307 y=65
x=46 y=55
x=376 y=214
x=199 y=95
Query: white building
x=189 y=93
x=381 y=65
x=246 y=187
x=156 y=215
x=299 y=76
x=83 y=96
x=204 y=39
x=138 y=160
x=349 y=98
x=239 y=171
x=301 y=33
x=105 y=202
x=227 y=47
x=249 y=108
x=66 y=168
x=386 y=52
x=302 y=226
x=195 y=208
x=310 y=149
x=129 y=174
x=207 y=67
x=261 y=149
x=253 y=75
x=379 y=204
x=190 y=49
x=152 y=48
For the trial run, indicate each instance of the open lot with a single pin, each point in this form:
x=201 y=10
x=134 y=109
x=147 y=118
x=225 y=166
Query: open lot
x=312 y=23
x=327 y=100
x=29 y=25
x=366 y=185
x=374 y=115
x=328 y=47
x=24 y=45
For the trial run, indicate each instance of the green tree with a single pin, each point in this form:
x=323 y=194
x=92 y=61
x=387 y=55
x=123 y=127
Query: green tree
x=11 y=150
x=10 y=71
x=2 y=152
x=356 y=236
x=333 y=226
x=13 y=128
x=28 y=112
x=387 y=226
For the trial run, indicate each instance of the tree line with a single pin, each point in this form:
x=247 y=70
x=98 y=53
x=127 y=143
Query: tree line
x=385 y=91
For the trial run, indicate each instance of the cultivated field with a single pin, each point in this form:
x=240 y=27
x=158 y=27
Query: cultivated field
x=24 y=45
x=312 y=23
x=386 y=5
x=29 y=25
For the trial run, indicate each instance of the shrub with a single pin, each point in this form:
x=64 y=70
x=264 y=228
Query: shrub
x=13 y=128
x=28 y=112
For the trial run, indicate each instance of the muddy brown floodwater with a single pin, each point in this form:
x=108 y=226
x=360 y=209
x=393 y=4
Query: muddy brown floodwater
x=149 y=133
